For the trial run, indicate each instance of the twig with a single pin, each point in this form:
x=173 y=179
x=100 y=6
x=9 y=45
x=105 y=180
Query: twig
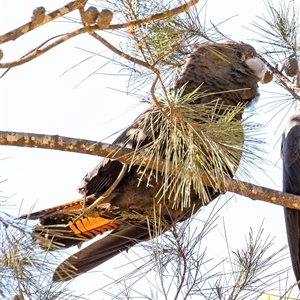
x=39 y=51
x=160 y=16
x=31 y=51
x=122 y=54
x=134 y=60
x=125 y=155
x=184 y=264
x=291 y=87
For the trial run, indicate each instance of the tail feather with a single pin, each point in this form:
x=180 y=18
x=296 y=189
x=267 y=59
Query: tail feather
x=55 y=237
x=75 y=205
x=100 y=251
x=52 y=237
x=88 y=228
x=292 y=221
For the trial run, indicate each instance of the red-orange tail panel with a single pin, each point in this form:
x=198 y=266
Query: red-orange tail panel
x=89 y=227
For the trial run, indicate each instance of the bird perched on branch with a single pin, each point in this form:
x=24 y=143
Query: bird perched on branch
x=189 y=131
x=290 y=153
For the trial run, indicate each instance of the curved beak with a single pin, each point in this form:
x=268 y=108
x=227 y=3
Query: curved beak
x=259 y=69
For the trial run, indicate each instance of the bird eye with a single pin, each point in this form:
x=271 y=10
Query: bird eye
x=238 y=53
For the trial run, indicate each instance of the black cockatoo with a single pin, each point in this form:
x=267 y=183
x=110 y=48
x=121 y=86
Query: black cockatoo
x=229 y=72
x=290 y=153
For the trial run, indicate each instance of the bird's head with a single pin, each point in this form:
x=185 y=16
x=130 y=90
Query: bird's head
x=229 y=71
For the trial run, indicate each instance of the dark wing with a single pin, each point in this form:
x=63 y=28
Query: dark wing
x=106 y=172
x=56 y=226
x=123 y=238
x=290 y=151
x=101 y=177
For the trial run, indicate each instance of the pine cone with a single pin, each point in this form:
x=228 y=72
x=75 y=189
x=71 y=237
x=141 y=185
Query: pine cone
x=91 y=14
x=38 y=16
x=290 y=66
x=268 y=77
x=104 y=18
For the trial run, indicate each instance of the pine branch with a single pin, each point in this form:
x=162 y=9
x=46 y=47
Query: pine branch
x=18 y=32
x=291 y=87
x=124 y=155
x=39 y=50
x=79 y=4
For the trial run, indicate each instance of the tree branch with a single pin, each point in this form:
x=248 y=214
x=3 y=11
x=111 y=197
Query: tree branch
x=79 y=4
x=137 y=61
x=292 y=88
x=157 y=17
x=16 y=33
x=38 y=51
x=122 y=54
x=124 y=155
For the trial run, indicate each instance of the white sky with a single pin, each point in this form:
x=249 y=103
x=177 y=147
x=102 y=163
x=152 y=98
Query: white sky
x=36 y=97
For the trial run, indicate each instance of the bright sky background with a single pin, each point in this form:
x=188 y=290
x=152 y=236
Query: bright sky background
x=39 y=97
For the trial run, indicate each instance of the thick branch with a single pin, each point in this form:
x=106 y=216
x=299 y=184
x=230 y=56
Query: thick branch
x=124 y=155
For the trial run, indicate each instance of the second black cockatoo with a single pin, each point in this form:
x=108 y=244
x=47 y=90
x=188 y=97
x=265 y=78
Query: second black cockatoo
x=290 y=153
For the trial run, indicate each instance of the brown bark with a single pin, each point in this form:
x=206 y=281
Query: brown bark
x=56 y=142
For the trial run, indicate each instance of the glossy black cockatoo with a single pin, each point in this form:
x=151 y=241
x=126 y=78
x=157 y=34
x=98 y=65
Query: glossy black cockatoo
x=228 y=72
x=290 y=153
